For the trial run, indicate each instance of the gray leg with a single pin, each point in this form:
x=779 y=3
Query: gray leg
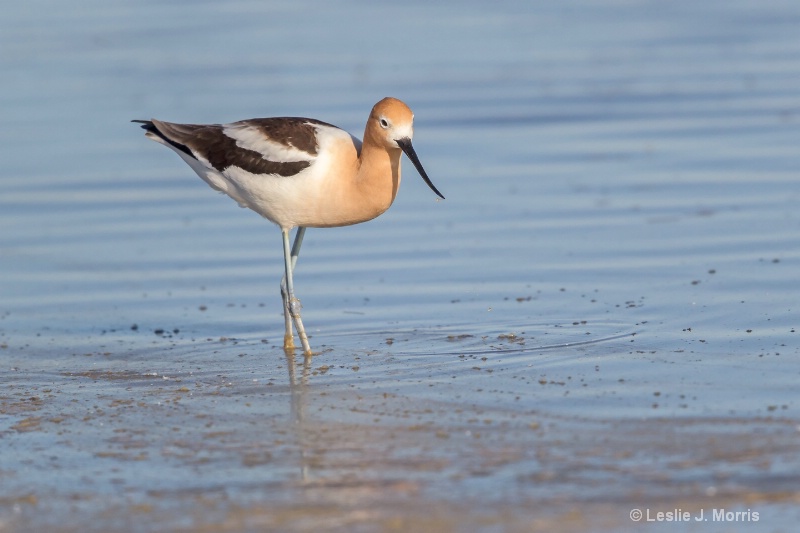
x=298 y=242
x=291 y=305
x=288 y=339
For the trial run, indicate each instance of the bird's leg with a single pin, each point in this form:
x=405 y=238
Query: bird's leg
x=291 y=305
x=288 y=338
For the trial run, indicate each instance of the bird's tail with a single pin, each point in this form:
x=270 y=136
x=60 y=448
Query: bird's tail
x=147 y=125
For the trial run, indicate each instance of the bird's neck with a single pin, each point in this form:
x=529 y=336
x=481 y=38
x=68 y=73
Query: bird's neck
x=378 y=178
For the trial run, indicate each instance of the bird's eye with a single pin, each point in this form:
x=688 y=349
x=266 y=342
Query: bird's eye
x=384 y=123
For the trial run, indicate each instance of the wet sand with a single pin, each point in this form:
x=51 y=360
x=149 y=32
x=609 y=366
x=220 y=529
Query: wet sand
x=304 y=445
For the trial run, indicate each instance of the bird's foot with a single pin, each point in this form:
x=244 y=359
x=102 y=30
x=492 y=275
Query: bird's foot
x=288 y=342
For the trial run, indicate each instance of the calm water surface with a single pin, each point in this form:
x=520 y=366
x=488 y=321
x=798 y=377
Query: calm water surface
x=601 y=317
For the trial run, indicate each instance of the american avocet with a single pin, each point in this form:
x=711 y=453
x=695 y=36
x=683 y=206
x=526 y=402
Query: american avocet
x=299 y=173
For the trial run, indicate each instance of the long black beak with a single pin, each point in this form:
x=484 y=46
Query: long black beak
x=405 y=145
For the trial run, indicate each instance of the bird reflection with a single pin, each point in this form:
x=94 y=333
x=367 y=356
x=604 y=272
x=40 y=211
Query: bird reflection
x=298 y=386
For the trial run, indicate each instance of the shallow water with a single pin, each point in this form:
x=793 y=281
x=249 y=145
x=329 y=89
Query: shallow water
x=602 y=316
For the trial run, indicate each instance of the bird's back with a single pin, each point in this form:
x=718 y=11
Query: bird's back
x=265 y=164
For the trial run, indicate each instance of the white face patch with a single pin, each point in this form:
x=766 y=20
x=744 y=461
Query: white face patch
x=402 y=131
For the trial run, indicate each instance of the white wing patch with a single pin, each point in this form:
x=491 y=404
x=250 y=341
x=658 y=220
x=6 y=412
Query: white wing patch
x=251 y=138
